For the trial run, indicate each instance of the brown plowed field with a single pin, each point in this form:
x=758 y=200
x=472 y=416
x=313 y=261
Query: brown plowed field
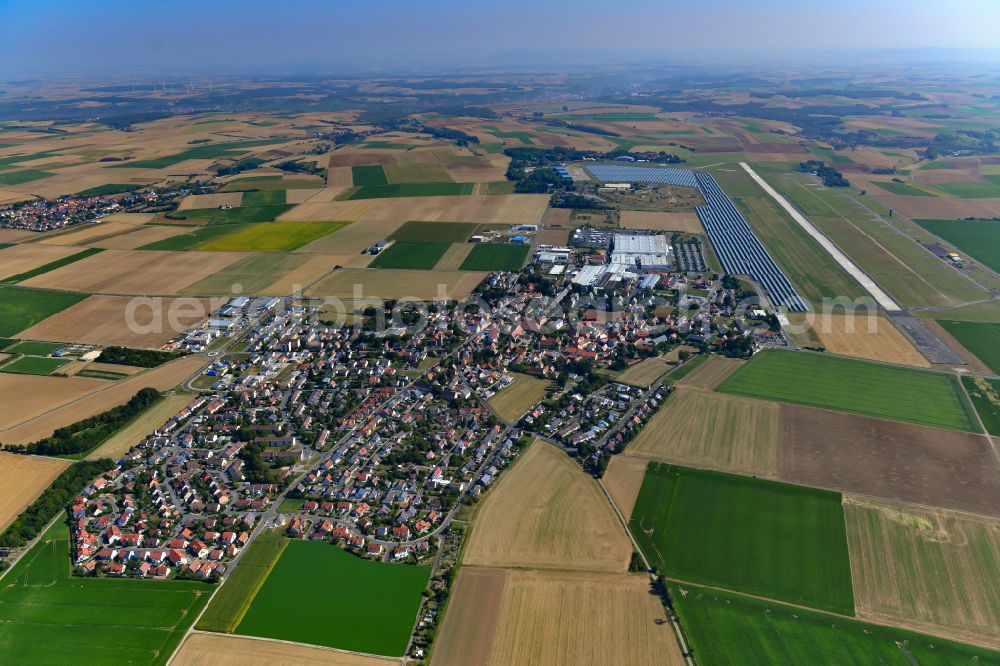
x=926 y=569
x=546 y=513
x=899 y=461
x=470 y=622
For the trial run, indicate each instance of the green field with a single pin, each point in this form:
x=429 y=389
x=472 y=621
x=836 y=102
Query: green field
x=416 y=172
x=50 y=617
x=22 y=308
x=263 y=198
x=271 y=184
x=500 y=187
x=496 y=257
x=684 y=370
x=254 y=273
x=237 y=592
x=908 y=189
x=980 y=338
x=847 y=385
x=985 y=395
x=33 y=348
x=726 y=629
x=372 y=174
x=272 y=236
x=979 y=239
x=750 y=535
x=322 y=595
x=412 y=190
x=450 y=232
x=410 y=254
x=969 y=190
x=110 y=188
x=208 y=151
x=241 y=214
x=52 y=265
x=34 y=365
x=197 y=237
x=524 y=137
x=21 y=177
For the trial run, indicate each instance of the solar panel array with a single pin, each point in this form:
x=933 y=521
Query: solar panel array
x=739 y=248
x=632 y=174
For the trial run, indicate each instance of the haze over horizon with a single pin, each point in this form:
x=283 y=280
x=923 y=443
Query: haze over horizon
x=111 y=37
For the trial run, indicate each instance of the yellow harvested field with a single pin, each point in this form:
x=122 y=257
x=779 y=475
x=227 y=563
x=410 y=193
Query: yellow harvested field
x=714 y=430
x=644 y=372
x=203 y=649
x=513 y=401
x=104 y=320
x=89 y=232
x=661 y=221
x=312 y=270
x=357 y=283
x=470 y=622
x=215 y=200
x=872 y=337
x=452 y=259
x=519 y=209
x=299 y=196
x=339 y=177
x=332 y=211
x=623 y=479
x=571 y=618
x=139 y=236
x=546 y=513
x=930 y=570
x=136 y=272
x=131 y=218
x=133 y=433
x=15 y=235
x=107 y=395
x=475 y=173
x=352 y=239
x=22 y=480
x=710 y=374
x=321 y=195
x=21 y=258
x=26 y=396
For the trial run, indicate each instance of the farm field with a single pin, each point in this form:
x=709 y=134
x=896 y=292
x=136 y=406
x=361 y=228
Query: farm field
x=454 y=257
x=644 y=372
x=726 y=628
x=27 y=396
x=925 y=569
x=759 y=537
x=19 y=259
x=546 y=513
x=686 y=368
x=214 y=200
x=316 y=593
x=200 y=649
x=469 y=626
x=101 y=320
x=513 y=401
x=900 y=461
x=870 y=337
x=416 y=172
x=661 y=221
x=236 y=215
x=186 y=238
x=45 y=416
x=368 y=175
x=496 y=257
x=710 y=373
x=34 y=365
x=623 y=479
x=23 y=308
x=51 y=266
x=848 y=385
x=49 y=616
x=23 y=478
x=452 y=232
x=980 y=338
x=977 y=238
x=706 y=429
x=410 y=255
x=32 y=347
x=272 y=236
x=628 y=632
x=230 y=604
x=255 y=273
x=352 y=283
x=204 y=152
x=411 y=190
x=139 y=428
x=985 y=396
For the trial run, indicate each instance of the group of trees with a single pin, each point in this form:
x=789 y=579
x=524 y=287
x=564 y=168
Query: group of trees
x=143 y=358
x=830 y=176
x=84 y=435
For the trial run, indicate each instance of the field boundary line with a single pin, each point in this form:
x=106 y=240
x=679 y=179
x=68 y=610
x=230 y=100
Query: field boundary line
x=866 y=282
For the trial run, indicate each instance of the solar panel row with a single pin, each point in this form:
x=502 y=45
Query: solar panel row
x=606 y=173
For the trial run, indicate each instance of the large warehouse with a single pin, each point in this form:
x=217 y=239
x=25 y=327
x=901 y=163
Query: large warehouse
x=641 y=251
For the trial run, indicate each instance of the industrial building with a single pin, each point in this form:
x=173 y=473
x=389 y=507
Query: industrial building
x=641 y=251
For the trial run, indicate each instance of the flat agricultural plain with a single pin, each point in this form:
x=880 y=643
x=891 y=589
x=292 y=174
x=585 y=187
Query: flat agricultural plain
x=23 y=478
x=706 y=429
x=26 y=396
x=711 y=373
x=42 y=424
x=546 y=513
x=19 y=259
x=512 y=402
x=569 y=618
x=726 y=629
x=874 y=338
x=201 y=649
x=863 y=387
x=623 y=479
x=661 y=221
x=900 y=461
x=980 y=338
x=749 y=535
x=52 y=617
x=985 y=395
x=470 y=622
x=22 y=308
x=644 y=372
x=355 y=283
x=272 y=237
x=102 y=320
x=316 y=594
x=496 y=257
x=925 y=569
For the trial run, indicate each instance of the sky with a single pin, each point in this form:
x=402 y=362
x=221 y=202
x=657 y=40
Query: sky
x=111 y=37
